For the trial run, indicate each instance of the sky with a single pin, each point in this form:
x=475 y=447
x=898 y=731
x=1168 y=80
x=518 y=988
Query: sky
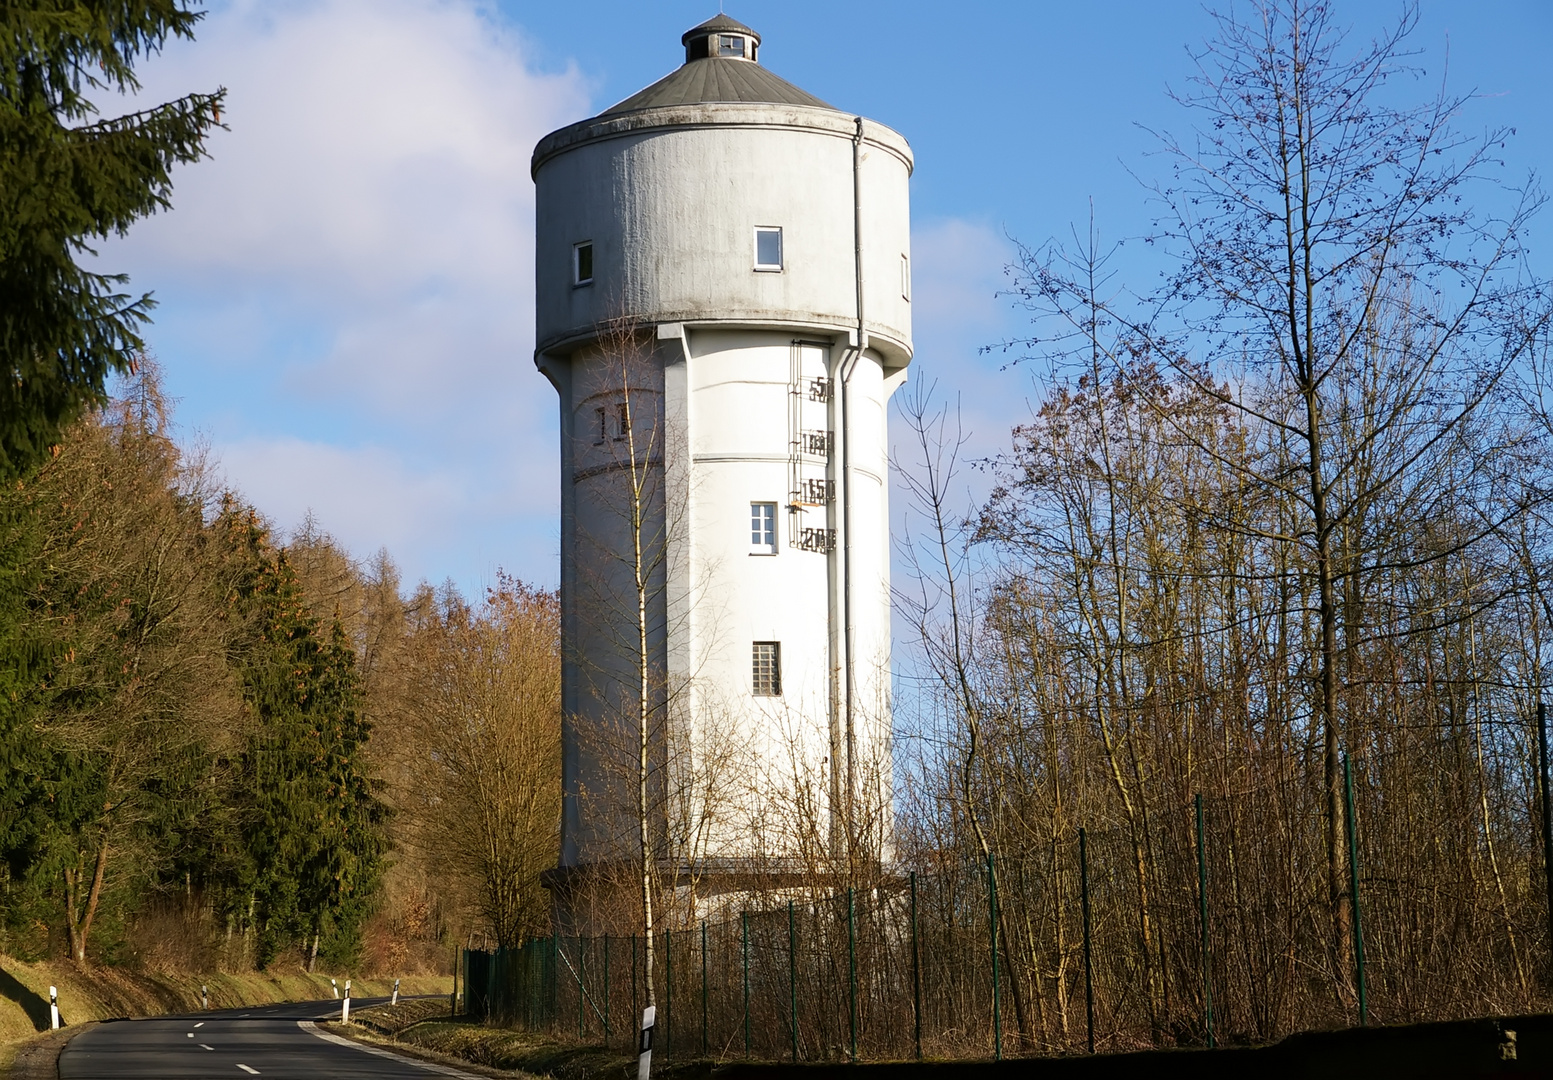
x=345 y=288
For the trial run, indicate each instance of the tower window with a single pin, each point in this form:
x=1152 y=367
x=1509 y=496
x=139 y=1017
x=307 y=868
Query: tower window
x=622 y=420
x=906 y=278
x=599 y=434
x=763 y=528
x=582 y=263
x=730 y=45
x=767 y=662
x=768 y=247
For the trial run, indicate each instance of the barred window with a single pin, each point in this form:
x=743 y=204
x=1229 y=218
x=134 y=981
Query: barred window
x=768 y=668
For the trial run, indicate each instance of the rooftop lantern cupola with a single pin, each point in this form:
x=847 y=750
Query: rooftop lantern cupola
x=723 y=38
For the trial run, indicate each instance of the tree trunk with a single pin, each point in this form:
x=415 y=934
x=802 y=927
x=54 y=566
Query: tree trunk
x=78 y=923
x=1331 y=737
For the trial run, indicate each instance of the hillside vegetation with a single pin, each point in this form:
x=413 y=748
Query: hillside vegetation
x=213 y=747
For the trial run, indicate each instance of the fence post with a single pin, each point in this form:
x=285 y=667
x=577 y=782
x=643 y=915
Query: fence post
x=1547 y=812
x=916 y=972
x=852 y=971
x=1353 y=884
x=997 y=1004
x=1089 y=967
x=606 y=991
x=744 y=923
x=668 y=993
x=792 y=977
x=703 y=988
x=555 y=979
x=1202 y=914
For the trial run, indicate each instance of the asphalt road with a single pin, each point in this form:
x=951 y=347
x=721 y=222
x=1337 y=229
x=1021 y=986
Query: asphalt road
x=278 y=1042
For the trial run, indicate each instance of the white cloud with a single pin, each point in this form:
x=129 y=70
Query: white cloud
x=958 y=270
x=957 y=267
x=368 y=496
x=347 y=285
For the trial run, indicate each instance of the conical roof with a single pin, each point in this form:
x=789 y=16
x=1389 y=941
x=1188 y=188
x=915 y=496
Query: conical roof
x=714 y=78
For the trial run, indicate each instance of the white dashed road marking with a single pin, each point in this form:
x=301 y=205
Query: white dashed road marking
x=247 y=1069
x=206 y=1046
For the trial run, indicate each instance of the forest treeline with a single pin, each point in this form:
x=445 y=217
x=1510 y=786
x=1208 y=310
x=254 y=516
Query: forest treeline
x=221 y=748
x=1278 y=534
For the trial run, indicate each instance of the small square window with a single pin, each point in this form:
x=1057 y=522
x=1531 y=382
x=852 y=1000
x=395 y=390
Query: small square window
x=730 y=45
x=768 y=247
x=763 y=528
x=767 y=663
x=582 y=263
x=906 y=278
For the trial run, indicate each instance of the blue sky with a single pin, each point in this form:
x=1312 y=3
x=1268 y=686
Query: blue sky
x=346 y=288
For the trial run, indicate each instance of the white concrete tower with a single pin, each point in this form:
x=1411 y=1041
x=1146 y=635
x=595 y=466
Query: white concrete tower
x=723 y=306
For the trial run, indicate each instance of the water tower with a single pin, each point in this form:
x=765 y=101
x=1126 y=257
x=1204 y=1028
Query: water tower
x=723 y=287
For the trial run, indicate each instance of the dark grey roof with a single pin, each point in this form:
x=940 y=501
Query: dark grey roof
x=717 y=78
x=718 y=24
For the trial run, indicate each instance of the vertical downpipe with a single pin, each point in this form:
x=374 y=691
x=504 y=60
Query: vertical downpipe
x=835 y=619
x=846 y=480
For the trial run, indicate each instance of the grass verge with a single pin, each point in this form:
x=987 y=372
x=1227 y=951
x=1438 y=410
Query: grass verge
x=424 y=1026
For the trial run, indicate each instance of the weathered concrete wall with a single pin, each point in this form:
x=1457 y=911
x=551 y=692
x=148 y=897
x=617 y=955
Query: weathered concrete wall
x=670 y=199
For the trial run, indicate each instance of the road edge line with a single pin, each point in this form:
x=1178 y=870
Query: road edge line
x=441 y=1070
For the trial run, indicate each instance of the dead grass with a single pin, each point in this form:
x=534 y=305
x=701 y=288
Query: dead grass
x=496 y=1048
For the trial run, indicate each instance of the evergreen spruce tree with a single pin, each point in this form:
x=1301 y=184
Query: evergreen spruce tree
x=67 y=177
x=306 y=862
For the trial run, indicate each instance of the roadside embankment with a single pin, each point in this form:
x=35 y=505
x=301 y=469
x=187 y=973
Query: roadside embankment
x=98 y=993
x=424 y=1027
x=1501 y=1047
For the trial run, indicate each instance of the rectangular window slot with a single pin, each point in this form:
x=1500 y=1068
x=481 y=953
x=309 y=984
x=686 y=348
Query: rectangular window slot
x=600 y=434
x=763 y=539
x=906 y=278
x=622 y=420
x=768 y=248
x=582 y=263
x=730 y=45
x=766 y=660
